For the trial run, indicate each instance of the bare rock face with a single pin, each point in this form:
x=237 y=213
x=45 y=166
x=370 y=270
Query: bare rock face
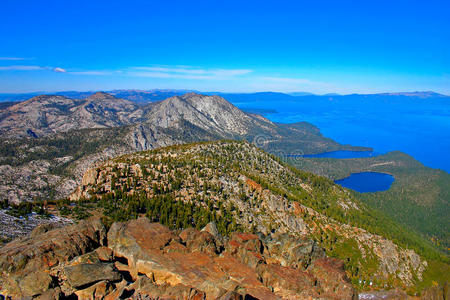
x=90 y=177
x=193 y=259
x=293 y=252
x=143 y=260
x=329 y=273
x=44 y=115
x=145 y=288
x=87 y=273
x=211 y=228
x=26 y=263
x=212 y=113
x=201 y=241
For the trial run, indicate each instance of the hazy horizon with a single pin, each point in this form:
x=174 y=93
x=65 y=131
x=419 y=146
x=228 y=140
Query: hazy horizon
x=294 y=93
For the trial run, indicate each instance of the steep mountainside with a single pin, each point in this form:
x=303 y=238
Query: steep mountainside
x=47 y=142
x=211 y=113
x=243 y=188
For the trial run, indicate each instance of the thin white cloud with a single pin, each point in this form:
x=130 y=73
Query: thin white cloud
x=175 y=72
x=59 y=70
x=31 y=68
x=14 y=58
x=186 y=72
x=195 y=71
x=21 y=68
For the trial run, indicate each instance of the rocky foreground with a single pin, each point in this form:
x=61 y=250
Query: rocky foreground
x=143 y=260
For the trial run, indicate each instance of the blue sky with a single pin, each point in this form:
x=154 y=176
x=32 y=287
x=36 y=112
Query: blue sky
x=233 y=46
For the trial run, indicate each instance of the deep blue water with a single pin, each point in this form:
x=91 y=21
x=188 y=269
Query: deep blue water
x=342 y=154
x=417 y=126
x=366 y=182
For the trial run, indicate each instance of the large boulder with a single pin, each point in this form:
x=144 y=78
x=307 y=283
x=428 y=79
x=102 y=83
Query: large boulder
x=201 y=241
x=247 y=247
x=145 y=288
x=25 y=263
x=87 y=274
x=211 y=228
x=51 y=294
x=143 y=245
x=144 y=260
x=96 y=291
x=291 y=251
x=331 y=280
x=191 y=259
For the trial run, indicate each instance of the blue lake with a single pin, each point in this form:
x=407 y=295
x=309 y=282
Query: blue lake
x=342 y=154
x=367 y=182
x=418 y=127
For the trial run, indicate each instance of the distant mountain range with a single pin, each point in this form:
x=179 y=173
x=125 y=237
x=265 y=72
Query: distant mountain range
x=137 y=96
x=146 y=96
x=428 y=94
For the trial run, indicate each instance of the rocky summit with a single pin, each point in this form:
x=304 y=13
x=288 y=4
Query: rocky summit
x=143 y=260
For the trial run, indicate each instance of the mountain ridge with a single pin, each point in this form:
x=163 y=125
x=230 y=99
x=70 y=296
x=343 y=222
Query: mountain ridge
x=44 y=115
x=58 y=138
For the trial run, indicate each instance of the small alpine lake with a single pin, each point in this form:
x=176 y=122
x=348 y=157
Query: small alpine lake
x=367 y=182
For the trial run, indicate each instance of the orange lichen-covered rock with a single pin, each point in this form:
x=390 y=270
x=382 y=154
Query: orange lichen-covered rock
x=241 y=267
x=144 y=260
x=25 y=263
x=252 y=184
